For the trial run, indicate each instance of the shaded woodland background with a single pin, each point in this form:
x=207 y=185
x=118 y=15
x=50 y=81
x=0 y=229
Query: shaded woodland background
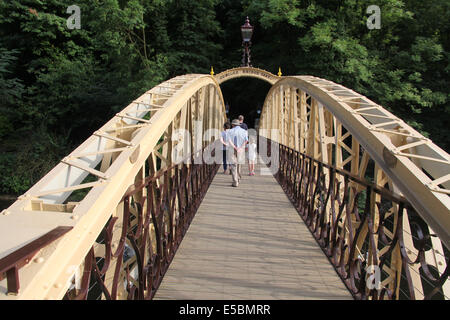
x=57 y=86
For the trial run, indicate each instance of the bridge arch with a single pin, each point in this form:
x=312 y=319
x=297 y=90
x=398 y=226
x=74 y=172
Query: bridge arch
x=127 y=168
x=330 y=129
x=399 y=150
x=142 y=201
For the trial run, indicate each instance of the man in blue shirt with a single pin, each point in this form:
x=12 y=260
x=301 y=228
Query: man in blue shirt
x=237 y=139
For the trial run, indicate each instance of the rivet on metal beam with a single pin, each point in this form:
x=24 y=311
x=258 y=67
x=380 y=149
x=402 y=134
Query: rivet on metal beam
x=389 y=158
x=431 y=186
x=135 y=155
x=39 y=260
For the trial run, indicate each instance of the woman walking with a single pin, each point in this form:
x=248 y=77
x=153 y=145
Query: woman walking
x=252 y=155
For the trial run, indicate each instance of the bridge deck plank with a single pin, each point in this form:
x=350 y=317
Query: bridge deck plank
x=249 y=243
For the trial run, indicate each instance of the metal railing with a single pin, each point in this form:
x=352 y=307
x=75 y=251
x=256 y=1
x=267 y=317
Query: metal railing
x=359 y=227
x=157 y=213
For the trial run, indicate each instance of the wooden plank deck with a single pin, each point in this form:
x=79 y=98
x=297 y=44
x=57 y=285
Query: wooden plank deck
x=249 y=243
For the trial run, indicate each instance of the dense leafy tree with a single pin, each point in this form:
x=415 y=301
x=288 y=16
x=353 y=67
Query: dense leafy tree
x=74 y=79
x=404 y=66
x=11 y=90
x=57 y=85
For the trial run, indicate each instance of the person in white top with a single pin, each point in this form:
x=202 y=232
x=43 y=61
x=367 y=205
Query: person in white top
x=251 y=155
x=237 y=139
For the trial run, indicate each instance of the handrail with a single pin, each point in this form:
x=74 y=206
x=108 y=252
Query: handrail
x=359 y=238
x=11 y=263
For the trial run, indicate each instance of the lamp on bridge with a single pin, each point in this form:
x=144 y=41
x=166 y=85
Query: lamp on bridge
x=247 y=32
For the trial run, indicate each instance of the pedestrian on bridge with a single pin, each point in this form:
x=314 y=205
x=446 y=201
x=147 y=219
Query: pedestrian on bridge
x=251 y=155
x=225 y=145
x=238 y=139
x=242 y=123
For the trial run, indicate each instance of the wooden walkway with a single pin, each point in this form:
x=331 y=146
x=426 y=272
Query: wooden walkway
x=249 y=243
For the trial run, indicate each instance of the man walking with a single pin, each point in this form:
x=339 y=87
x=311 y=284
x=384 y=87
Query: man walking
x=242 y=123
x=237 y=139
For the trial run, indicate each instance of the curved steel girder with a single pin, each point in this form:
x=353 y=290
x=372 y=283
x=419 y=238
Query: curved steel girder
x=433 y=206
x=47 y=279
x=246 y=72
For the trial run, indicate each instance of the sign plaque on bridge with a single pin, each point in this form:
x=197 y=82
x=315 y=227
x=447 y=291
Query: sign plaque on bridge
x=247 y=72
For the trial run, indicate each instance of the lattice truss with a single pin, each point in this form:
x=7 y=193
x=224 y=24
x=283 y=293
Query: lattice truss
x=122 y=179
x=344 y=129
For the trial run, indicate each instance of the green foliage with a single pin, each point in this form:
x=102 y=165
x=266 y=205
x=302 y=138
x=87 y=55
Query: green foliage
x=193 y=29
x=11 y=90
x=24 y=161
x=404 y=66
x=59 y=85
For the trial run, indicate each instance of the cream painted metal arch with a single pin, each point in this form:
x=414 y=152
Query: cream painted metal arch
x=401 y=152
x=311 y=115
x=116 y=156
x=342 y=128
